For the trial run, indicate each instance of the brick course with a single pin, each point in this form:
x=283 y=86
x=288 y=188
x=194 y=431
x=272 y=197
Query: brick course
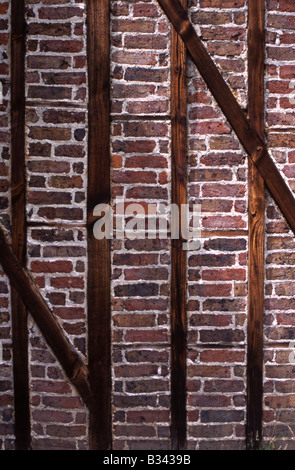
x=56 y=172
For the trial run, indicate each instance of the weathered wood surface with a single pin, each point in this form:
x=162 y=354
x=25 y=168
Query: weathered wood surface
x=244 y=129
x=256 y=57
x=18 y=224
x=99 y=262
x=178 y=255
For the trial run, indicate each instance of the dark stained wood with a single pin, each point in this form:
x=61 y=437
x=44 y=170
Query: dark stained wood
x=256 y=64
x=18 y=223
x=53 y=334
x=245 y=131
x=256 y=56
x=178 y=255
x=99 y=263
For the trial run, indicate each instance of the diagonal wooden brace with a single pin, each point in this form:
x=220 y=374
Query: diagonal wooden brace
x=29 y=293
x=245 y=131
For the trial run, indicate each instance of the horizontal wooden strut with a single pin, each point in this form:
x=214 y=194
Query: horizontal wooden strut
x=245 y=131
x=53 y=334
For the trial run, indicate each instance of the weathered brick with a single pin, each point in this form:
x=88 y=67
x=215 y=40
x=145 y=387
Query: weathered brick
x=49 y=29
x=61 y=46
x=48 y=62
x=62 y=116
x=61 y=266
x=49 y=92
x=59 y=12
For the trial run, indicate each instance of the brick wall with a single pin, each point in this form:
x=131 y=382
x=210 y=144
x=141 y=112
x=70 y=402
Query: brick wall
x=56 y=165
x=279 y=285
x=56 y=89
x=217 y=273
x=140 y=151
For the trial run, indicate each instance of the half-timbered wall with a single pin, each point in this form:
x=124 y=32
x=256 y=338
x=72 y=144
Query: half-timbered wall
x=101 y=100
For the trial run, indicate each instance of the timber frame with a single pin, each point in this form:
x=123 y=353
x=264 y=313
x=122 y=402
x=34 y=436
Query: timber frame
x=93 y=381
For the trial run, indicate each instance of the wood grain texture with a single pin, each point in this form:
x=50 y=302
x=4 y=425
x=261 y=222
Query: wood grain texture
x=178 y=255
x=256 y=191
x=18 y=224
x=99 y=262
x=244 y=129
x=53 y=334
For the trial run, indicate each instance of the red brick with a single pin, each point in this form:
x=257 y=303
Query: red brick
x=229 y=222
x=67 y=282
x=145 y=336
x=141 y=74
x=150 y=304
x=61 y=266
x=3 y=8
x=132 y=177
x=49 y=29
x=59 y=13
x=220 y=190
x=47 y=166
x=222 y=356
x=210 y=290
x=49 y=92
x=136 y=58
x=146 y=161
x=222 y=3
x=48 y=62
x=64 y=182
x=63 y=213
x=134 y=146
x=224 y=274
x=146 y=41
x=55 y=116
x=61 y=46
x=215 y=18
x=285 y=5
x=209 y=401
x=146 y=10
x=46 y=416
x=50 y=387
x=133 y=26
x=148 y=416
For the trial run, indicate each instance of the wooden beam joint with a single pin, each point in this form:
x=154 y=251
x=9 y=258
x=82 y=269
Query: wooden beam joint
x=248 y=135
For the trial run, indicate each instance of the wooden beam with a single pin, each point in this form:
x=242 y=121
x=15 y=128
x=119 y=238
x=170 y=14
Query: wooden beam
x=53 y=334
x=18 y=223
x=99 y=191
x=245 y=131
x=178 y=255
x=256 y=191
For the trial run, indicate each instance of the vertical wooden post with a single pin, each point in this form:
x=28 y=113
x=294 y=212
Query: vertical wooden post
x=99 y=321
x=18 y=222
x=256 y=44
x=178 y=255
